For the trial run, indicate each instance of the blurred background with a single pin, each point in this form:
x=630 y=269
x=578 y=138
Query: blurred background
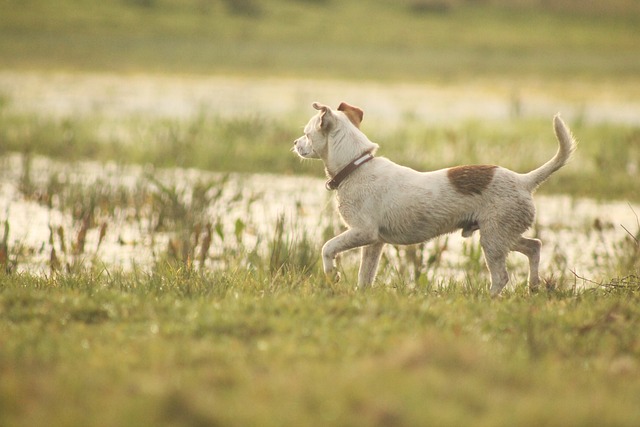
x=226 y=85
x=409 y=40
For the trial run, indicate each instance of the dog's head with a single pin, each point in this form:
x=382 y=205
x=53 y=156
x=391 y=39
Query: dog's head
x=334 y=136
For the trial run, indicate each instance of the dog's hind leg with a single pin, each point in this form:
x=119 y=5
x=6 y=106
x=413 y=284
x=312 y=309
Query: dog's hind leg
x=350 y=239
x=531 y=248
x=495 y=256
x=369 y=264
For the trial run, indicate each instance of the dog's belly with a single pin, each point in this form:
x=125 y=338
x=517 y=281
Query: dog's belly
x=415 y=230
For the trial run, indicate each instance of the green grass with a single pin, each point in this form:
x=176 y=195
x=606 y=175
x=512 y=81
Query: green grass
x=377 y=39
x=239 y=348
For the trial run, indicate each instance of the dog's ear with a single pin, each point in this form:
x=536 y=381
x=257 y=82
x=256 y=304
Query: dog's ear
x=326 y=116
x=354 y=114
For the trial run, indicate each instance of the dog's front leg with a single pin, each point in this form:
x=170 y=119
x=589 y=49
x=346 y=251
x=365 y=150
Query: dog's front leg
x=350 y=239
x=369 y=264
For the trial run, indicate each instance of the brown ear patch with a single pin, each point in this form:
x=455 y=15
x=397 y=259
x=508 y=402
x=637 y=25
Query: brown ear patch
x=470 y=180
x=354 y=114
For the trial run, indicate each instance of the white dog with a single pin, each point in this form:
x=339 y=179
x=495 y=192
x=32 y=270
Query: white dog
x=382 y=202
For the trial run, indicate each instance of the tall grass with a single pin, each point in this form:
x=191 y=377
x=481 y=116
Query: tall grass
x=194 y=221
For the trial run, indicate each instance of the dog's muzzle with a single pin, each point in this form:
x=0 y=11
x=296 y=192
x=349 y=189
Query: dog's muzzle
x=302 y=147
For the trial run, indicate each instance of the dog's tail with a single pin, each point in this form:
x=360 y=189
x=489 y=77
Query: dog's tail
x=566 y=146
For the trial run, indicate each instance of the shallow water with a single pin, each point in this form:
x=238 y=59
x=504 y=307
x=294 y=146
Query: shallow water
x=578 y=235
x=117 y=96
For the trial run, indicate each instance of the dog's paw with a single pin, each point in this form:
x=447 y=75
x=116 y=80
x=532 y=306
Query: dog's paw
x=332 y=276
x=495 y=293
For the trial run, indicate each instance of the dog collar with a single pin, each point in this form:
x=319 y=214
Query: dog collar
x=333 y=183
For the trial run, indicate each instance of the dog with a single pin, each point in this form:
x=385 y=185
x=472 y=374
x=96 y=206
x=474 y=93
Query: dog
x=382 y=202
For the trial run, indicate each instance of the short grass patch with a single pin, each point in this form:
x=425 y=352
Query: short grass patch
x=249 y=349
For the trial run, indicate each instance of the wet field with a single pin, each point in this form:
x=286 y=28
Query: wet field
x=127 y=217
x=133 y=219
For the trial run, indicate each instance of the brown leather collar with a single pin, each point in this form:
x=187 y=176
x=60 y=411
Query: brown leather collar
x=333 y=183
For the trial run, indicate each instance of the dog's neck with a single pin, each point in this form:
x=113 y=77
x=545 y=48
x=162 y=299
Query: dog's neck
x=344 y=147
x=335 y=180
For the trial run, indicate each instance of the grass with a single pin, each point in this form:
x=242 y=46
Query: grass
x=401 y=40
x=241 y=348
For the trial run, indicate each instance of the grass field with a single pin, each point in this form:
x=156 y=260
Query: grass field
x=262 y=339
x=238 y=348
x=377 y=39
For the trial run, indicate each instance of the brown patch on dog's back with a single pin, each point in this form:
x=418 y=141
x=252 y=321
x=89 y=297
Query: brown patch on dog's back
x=470 y=180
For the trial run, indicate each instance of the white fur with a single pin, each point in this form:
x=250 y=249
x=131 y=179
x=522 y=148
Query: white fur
x=382 y=202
